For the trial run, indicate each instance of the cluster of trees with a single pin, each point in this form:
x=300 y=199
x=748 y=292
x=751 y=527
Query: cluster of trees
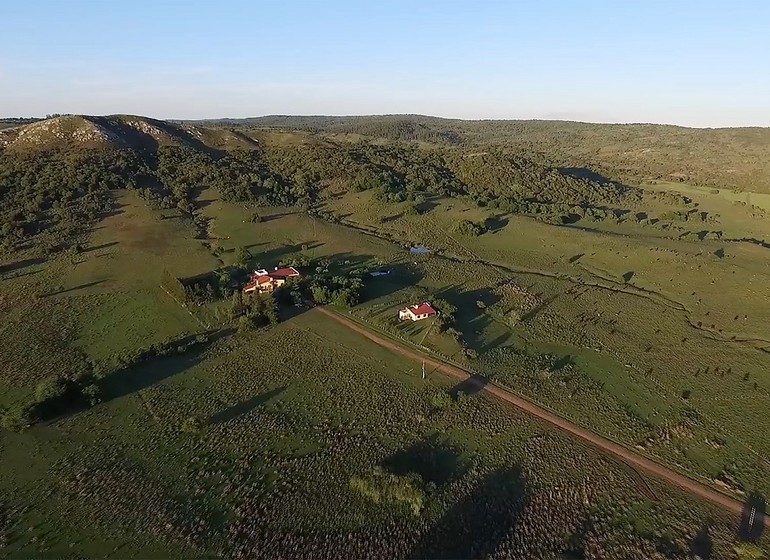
x=340 y=290
x=53 y=396
x=57 y=395
x=630 y=153
x=59 y=194
x=255 y=311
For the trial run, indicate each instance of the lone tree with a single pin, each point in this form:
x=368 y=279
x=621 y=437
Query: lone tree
x=242 y=257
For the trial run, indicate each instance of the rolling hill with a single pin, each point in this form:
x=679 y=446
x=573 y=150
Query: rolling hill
x=727 y=157
x=148 y=408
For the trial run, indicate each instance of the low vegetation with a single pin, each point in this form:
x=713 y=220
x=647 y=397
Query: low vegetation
x=143 y=393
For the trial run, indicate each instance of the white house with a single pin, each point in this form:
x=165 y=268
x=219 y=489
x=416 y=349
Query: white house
x=417 y=312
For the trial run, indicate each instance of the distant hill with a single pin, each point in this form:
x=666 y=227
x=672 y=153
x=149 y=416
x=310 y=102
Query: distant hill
x=726 y=157
x=122 y=131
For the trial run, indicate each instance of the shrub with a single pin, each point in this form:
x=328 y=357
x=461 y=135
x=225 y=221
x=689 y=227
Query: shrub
x=50 y=388
x=192 y=425
x=467 y=227
x=92 y=393
x=440 y=400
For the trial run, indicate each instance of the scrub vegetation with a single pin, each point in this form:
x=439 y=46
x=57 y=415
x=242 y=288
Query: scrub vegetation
x=149 y=408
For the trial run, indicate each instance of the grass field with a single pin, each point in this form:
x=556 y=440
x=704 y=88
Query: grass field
x=287 y=438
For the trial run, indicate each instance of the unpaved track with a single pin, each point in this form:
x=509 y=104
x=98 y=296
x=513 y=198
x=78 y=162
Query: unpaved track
x=626 y=455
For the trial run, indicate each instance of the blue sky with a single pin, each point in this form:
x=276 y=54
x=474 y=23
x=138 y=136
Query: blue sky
x=690 y=62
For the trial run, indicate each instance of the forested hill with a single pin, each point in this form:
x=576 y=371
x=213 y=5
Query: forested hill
x=56 y=175
x=725 y=157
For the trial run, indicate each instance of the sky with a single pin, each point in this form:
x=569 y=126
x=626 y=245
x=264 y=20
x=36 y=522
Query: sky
x=689 y=62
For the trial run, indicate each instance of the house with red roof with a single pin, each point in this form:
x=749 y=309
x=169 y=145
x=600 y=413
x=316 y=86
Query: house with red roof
x=264 y=282
x=417 y=312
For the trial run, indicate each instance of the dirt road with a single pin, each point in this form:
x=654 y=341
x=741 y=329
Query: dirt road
x=626 y=455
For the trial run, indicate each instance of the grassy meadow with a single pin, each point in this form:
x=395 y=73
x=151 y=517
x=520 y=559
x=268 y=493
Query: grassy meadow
x=304 y=439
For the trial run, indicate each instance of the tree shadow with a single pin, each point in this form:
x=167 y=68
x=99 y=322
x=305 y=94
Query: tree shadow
x=272 y=257
x=433 y=460
x=18 y=265
x=154 y=369
x=393 y=218
x=752 y=523
x=587 y=175
x=575 y=258
x=471 y=318
x=496 y=223
x=244 y=407
x=476 y=525
x=471 y=386
x=400 y=276
x=426 y=207
x=102 y=246
x=532 y=313
x=563 y=361
x=702 y=545
x=75 y=288
x=628 y=276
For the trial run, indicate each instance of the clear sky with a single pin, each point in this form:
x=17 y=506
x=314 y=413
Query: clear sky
x=690 y=62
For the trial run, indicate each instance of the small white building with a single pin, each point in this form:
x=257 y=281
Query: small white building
x=417 y=312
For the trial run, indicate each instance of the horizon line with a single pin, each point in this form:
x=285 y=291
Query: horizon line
x=391 y=115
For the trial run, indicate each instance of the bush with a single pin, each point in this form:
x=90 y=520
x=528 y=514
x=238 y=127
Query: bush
x=192 y=425
x=50 y=388
x=16 y=418
x=467 y=227
x=440 y=401
x=92 y=393
x=411 y=210
x=392 y=489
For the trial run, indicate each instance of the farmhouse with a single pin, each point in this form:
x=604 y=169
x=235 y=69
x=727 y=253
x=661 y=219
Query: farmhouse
x=417 y=312
x=264 y=282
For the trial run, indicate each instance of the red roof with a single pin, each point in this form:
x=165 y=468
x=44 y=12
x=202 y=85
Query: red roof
x=257 y=281
x=422 y=309
x=283 y=272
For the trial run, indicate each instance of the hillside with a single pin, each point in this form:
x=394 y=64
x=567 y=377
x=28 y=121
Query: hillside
x=729 y=157
x=150 y=408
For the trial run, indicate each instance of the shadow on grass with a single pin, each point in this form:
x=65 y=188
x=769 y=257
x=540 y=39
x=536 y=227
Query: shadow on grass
x=272 y=257
x=753 y=518
x=400 y=276
x=244 y=407
x=102 y=246
x=75 y=288
x=433 y=460
x=476 y=525
x=471 y=318
x=702 y=545
x=13 y=267
x=496 y=223
x=471 y=386
x=153 y=370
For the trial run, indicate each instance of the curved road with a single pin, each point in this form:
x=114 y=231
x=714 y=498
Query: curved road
x=618 y=451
